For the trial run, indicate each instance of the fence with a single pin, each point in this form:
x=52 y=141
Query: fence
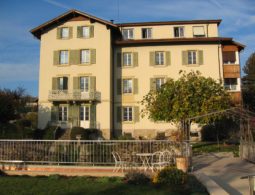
x=247 y=151
x=84 y=152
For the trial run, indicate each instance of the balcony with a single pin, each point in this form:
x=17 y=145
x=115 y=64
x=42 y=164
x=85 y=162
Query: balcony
x=231 y=71
x=74 y=95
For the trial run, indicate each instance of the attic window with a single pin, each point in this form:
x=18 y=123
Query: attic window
x=64 y=32
x=198 y=31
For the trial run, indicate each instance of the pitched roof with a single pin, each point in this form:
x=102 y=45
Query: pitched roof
x=37 y=31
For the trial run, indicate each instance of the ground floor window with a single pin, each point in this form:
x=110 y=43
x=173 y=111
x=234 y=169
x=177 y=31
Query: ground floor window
x=84 y=113
x=62 y=113
x=127 y=114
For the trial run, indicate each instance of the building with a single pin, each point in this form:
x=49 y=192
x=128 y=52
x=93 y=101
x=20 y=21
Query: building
x=94 y=73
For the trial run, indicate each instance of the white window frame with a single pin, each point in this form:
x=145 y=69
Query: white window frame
x=63 y=113
x=127 y=59
x=85 y=31
x=85 y=56
x=84 y=113
x=127 y=115
x=180 y=30
x=84 y=83
x=148 y=33
x=61 y=83
x=159 y=58
x=128 y=33
x=64 y=57
x=127 y=86
x=65 y=32
x=192 y=57
x=159 y=82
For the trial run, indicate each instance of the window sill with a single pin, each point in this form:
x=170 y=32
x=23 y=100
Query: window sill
x=159 y=66
x=127 y=122
x=193 y=65
x=131 y=66
x=62 y=65
x=127 y=94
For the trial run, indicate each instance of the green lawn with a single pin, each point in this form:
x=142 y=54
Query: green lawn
x=88 y=185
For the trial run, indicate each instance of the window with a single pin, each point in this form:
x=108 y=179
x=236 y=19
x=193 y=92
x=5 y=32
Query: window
x=65 y=33
x=229 y=57
x=127 y=86
x=179 y=31
x=84 y=113
x=63 y=57
x=159 y=82
x=146 y=33
x=62 y=113
x=230 y=83
x=127 y=114
x=84 y=84
x=128 y=33
x=192 y=57
x=85 y=56
x=198 y=31
x=62 y=83
x=85 y=32
x=127 y=59
x=159 y=58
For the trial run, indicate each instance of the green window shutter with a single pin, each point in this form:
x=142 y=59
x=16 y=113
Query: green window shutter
x=92 y=116
x=54 y=83
x=79 y=31
x=184 y=57
x=91 y=31
x=56 y=57
x=54 y=113
x=58 y=33
x=119 y=82
x=119 y=59
x=153 y=84
x=135 y=85
x=119 y=114
x=76 y=83
x=65 y=86
x=70 y=113
x=152 y=58
x=136 y=114
x=168 y=58
x=74 y=116
x=70 y=32
x=135 y=59
x=75 y=57
x=200 y=57
x=92 y=83
x=92 y=56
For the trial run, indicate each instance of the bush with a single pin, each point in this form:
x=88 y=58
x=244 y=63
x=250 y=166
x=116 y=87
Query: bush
x=126 y=136
x=86 y=134
x=170 y=176
x=49 y=132
x=137 y=178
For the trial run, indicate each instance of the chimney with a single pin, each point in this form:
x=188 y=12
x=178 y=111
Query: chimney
x=112 y=21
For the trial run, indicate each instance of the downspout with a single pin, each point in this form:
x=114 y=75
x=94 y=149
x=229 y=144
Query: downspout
x=112 y=86
x=219 y=53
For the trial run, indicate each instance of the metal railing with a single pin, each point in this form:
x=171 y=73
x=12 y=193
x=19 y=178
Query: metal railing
x=247 y=151
x=96 y=152
x=73 y=95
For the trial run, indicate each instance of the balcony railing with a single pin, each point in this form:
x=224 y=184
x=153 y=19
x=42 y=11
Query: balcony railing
x=58 y=95
x=230 y=87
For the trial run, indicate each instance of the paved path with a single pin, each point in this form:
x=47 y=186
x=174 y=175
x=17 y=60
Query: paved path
x=225 y=170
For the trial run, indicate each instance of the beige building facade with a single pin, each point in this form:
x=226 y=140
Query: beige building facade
x=94 y=73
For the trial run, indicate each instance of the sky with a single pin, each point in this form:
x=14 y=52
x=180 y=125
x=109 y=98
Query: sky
x=19 y=50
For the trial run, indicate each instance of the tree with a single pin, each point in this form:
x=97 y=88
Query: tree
x=189 y=96
x=249 y=83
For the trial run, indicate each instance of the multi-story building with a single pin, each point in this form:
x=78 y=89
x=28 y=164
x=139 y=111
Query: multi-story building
x=94 y=73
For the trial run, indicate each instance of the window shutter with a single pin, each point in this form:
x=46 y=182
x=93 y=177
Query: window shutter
x=119 y=59
x=54 y=83
x=76 y=83
x=200 y=57
x=92 y=83
x=79 y=31
x=92 y=56
x=75 y=115
x=119 y=114
x=75 y=57
x=153 y=84
x=168 y=58
x=58 y=33
x=184 y=57
x=65 y=80
x=91 y=31
x=54 y=113
x=135 y=85
x=93 y=116
x=135 y=59
x=152 y=58
x=70 y=32
x=136 y=114
x=119 y=82
x=56 y=57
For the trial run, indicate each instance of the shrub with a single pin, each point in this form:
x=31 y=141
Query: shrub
x=49 y=132
x=170 y=176
x=86 y=134
x=54 y=177
x=137 y=178
x=126 y=136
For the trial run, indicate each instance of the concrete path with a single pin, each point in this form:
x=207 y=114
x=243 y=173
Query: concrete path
x=225 y=171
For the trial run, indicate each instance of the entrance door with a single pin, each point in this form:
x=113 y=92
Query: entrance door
x=85 y=116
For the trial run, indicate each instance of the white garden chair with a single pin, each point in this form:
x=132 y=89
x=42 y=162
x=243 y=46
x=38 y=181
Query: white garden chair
x=157 y=161
x=119 y=164
x=168 y=158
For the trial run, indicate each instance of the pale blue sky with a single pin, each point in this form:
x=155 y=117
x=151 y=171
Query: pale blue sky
x=19 y=50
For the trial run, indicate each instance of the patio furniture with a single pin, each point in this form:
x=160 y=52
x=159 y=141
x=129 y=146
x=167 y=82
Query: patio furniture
x=145 y=159
x=157 y=161
x=168 y=158
x=251 y=183
x=119 y=163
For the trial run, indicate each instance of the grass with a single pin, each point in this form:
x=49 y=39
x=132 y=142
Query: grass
x=201 y=148
x=61 y=185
